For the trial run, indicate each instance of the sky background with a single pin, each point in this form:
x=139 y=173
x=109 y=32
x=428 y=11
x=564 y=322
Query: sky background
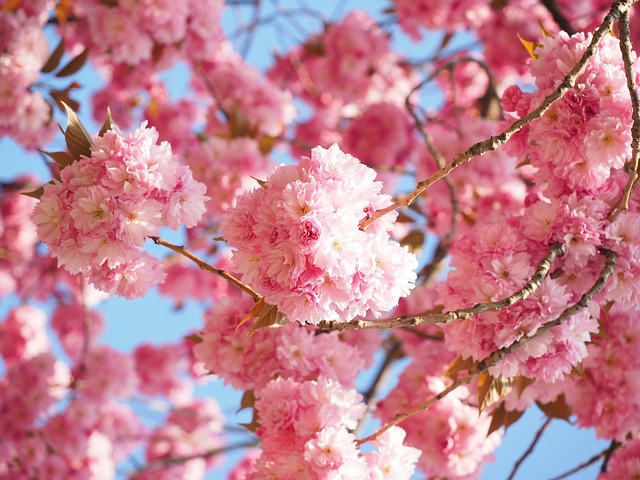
x=153 y=318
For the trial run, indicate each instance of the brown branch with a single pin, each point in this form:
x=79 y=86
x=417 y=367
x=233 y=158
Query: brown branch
x=626 y=49
x=495 y=357
x=558 y=17
x=209 y=268
x=445 y=243
x=496 y=141
x=164 y=462
x=416 y=320
x=607 y=455
x=582 y=466
x=529 y=450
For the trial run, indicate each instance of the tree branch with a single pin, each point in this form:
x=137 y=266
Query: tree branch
x=415 y=320
x=165 y=462
x=582 y=466
x=496 y=141
x=529 y=450
x=209 y=268
x=495 y=357
x=626 y=49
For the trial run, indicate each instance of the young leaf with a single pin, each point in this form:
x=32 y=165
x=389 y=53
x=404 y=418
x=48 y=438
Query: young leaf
x=270 y=317
x=458 y=365
x=78 y=140
x=501 y=417
x=74 y=64
x=255 y=311
x=248 y=400
x=556 y=409
x=61 y=158
x=414 y=241
x=492 y=390
x=37 y=193
x=61 y=97
x=54 y=60
x=262 y=183
x=194 y=338
x=530 y=46
x=107 y=125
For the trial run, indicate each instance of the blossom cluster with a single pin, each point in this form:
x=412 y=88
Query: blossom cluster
x=248 y=363
x=25 y=115
x=308 y=435
x=298 y=241
x=96 y=218
x=576 y=151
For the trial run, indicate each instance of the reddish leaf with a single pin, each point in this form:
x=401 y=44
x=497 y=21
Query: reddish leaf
x=414 y=241
x=194 y=338
x=255 y=311
x=74 y=64
x=78 y=139
x=61 y=97
x=458 y=365
x=556 y=409
x=248 y=400
x=492 y=390
x=107 y=125
x=54 y=60
x=61 y=158
x=37 y=193
x=270 y=317
x=503 y=418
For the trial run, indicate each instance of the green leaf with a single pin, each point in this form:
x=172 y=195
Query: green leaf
x=107 y=125
x=63 y=159
x=78 y=139
x=54 y=60
x=74 y=64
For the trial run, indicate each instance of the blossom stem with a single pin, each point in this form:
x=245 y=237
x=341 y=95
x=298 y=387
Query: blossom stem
x=206 y=266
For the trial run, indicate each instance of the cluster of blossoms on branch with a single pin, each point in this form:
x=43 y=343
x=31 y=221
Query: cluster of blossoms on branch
x=96 y=218
x=298 y=240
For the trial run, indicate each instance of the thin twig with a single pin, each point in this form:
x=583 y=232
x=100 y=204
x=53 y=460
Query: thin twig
x=445 y=243
x=209 y=268
x=163 y=462
x=626 y=50
x=415 y=320
x=582 y=466
x=495 y=357
x=393 y=354
x=496 y=141
x=529 y=450
x=607 y=455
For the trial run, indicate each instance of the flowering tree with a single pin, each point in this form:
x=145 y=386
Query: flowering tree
x=471 y=212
